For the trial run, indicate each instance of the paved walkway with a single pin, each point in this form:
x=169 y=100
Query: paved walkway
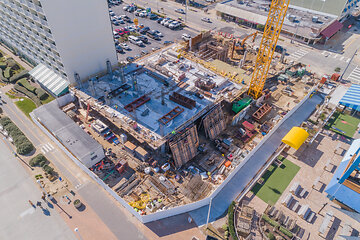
x=18 y=220
x=16 y=58
x=222 y=201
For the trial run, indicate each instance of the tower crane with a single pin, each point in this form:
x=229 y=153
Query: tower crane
x=269 y=39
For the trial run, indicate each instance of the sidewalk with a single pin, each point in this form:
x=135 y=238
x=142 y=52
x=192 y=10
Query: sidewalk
x=16 y=58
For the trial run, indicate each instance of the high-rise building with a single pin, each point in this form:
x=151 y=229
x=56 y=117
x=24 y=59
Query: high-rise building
x=70 y=37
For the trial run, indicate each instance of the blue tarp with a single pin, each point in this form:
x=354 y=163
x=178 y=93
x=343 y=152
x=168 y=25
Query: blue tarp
x=340 y=192
x=351 y=98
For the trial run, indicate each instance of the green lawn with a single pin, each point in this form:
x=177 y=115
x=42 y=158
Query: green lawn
x=343 y=124
x=26 y=105
x=275 y=181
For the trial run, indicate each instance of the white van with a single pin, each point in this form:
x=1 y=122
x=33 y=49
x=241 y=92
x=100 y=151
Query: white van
x=135 y=40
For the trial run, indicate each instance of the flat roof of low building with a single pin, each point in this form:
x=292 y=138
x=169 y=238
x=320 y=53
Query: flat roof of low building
x=258 y=10
x=75 y=139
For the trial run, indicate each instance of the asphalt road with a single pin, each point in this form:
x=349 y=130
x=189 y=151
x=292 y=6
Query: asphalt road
x=169 y=35
x=18 y=220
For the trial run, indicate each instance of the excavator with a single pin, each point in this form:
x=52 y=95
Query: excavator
x=240 y=46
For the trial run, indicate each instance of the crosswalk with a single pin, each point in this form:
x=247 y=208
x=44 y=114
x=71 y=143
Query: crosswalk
x=336 y=56
x=354 y=76
x=47 y=148
x=298 y=54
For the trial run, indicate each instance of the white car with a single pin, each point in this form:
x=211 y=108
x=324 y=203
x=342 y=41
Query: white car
x=143 y=14
x=186 y=37
x=205 y=19
x=174 y=25
x=179 y=10
x=166 y=24
x=126 y=7
x=125 y=46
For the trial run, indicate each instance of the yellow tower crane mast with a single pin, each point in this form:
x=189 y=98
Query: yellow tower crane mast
x=269 y=39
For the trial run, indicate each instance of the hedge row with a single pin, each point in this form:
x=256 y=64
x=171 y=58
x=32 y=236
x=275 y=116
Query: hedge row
x=41 y=161
x=31 y=95
x=25 y=83
x=21 y=142
x=231 y=220
x=2 y=77
x=22 y=74
x=7 y=72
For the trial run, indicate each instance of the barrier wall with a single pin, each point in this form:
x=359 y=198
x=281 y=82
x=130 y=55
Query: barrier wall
x=180 y=209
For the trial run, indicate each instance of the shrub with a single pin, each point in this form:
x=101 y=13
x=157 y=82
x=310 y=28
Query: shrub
x=48 y=169
x=21 y=142
x=231 y=220
x=7 y=72
x=24 y=148
x=15 y=77
x=31 y=95
x=38 y=160
x=5 y=121
x=260 y=27
x=225 y=227
x=42 y=95
x=25 y=83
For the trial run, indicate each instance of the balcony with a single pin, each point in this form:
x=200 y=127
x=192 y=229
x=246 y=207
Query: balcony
x=39 y=9
x=43 y=22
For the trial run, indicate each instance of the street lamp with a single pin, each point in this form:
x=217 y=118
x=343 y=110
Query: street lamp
x=78 y=233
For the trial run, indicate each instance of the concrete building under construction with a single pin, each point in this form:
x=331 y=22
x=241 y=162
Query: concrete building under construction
x=161 y=101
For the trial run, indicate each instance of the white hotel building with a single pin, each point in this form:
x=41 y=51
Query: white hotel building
x=68 y=36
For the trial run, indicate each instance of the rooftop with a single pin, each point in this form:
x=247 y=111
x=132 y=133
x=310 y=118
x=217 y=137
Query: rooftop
x=257 y=12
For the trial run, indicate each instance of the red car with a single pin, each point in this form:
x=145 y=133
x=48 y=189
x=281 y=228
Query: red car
x=122 y=31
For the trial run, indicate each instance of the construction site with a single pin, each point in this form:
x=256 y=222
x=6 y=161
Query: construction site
x=174 y=125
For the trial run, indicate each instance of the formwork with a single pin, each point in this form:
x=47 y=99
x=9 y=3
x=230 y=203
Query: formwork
x=214 y=122
x=184 y=145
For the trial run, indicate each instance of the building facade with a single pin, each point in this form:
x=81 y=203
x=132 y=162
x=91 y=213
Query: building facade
x=69 y=37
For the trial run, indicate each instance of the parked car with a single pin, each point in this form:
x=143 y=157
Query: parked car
x=174 y=25
x=165 y=20
x=137 y=56
x=205 y=19
x=152 y=34
x=153 y=16
x=186 y=37
x=159 y=33
x=144 y=52
x=126 y=7
x=136 y=41
x=144 y=30
x=130 y=59
x=119 y=49
x=143 y=39
x=143 y=14
x=159 y=20
x=120 y=21
x=167 y=23
x=279 y=49
x=180 y=10
x=168 y=42
x=125 y=46
x=137 y=12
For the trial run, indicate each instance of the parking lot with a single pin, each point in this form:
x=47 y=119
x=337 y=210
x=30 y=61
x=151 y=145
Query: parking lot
x=136 y=51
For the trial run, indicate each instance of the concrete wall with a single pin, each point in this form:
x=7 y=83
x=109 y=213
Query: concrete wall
x=83 y=35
